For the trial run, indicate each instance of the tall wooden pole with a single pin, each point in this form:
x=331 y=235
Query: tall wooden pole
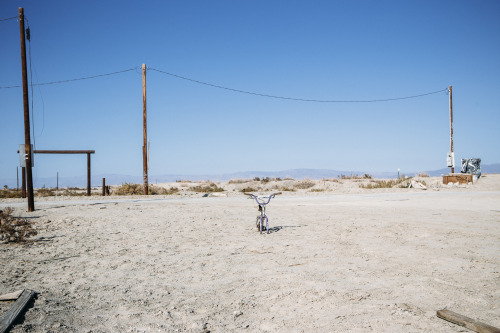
x=451 y=127
x=145 y=134
x=27 y=137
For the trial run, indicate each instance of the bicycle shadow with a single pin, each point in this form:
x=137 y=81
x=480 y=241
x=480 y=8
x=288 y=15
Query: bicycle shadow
x=278 y=228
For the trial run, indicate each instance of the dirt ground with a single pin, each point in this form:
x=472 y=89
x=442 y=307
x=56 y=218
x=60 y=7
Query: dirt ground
x=341 y=260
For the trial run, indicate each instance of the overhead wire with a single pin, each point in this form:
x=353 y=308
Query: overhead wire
x=239 y=90
x=293 y=98
x=9 y=18
x=77 y=79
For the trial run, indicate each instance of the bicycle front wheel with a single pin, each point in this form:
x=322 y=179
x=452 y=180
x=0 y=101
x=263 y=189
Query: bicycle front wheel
x=257 y=223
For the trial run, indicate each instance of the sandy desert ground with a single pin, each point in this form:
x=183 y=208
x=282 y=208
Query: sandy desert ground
x=339 y=258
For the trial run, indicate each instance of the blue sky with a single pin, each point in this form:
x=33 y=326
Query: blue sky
x=324 y=50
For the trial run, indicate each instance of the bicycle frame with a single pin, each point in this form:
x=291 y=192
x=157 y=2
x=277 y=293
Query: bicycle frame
x=261 y=201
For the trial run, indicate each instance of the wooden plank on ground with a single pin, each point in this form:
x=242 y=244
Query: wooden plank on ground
x=467 y=322
x=10 y=316
x=11 y=296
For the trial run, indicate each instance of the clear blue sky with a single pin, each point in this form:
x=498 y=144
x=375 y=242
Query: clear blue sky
x=325 y=50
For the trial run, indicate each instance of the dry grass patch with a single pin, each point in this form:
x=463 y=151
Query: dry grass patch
x=401 y=182
x=334 y=180
x=138 y=189
x=73 y=192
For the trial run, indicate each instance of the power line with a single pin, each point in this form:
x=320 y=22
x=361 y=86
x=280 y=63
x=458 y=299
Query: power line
x=297 y=99
x=9 y=18
x=238 y=90
x=77 y=79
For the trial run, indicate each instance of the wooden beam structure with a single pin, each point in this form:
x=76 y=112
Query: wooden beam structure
x=88 y=152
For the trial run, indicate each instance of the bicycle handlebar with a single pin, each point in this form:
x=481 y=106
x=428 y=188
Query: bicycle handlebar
x=257 y=198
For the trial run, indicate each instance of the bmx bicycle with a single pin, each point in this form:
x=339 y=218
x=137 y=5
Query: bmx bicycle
x=262 y=201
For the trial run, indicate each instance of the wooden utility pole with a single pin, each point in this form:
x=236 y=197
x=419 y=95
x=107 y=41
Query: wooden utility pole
x=23 y=182
x=145 y=135
x=27 y=137
x=451 y=127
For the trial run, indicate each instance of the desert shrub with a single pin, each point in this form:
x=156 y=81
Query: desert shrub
x=354 y=176
x=256 y=179
x=157 y=190
x=267 y=180
x=183 y=181
x=317 y=190
x=405 y=182
x=171 y=190
x=304 y=184
x=129 y=189
x=249 y=189
x=45 y=192
x=209 y=188
x=286 y=189
x=238 y=181
x=14 y=229
x=422 y=174
x=10 y=193
x=288 y=178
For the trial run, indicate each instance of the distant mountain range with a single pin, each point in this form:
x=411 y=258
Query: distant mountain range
x=115 y=179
